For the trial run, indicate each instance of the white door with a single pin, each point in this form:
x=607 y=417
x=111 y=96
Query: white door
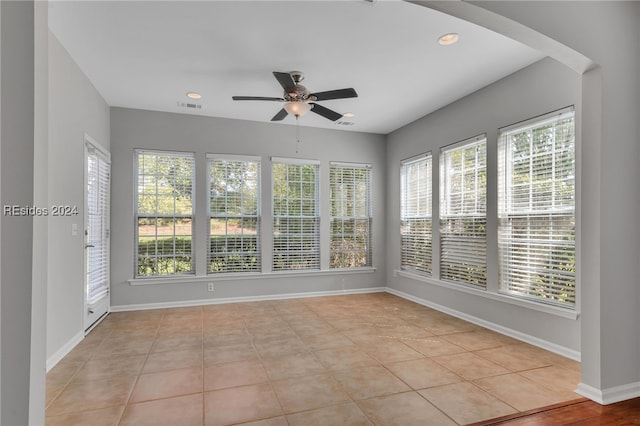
x=96 y=233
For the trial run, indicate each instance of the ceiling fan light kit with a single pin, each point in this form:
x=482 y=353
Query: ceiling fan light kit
x=298 y=100
x=297 y=109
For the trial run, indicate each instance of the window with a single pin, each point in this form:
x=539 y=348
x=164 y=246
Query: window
x=463 y=212
x=536 y=228
x=164 y=213
x=415 y=211
x=296 y=220
x=234 y=214
x=350 y=207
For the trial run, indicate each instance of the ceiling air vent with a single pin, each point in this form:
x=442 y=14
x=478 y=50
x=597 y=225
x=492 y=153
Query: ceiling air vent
x=189 y=105
x=345 y=123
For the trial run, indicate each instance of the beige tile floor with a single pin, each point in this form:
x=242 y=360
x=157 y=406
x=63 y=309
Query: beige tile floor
x=341 y=360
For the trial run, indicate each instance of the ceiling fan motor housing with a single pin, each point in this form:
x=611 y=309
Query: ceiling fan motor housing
x=298 y=94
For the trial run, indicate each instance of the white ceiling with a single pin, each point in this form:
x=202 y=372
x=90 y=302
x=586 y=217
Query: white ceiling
x=148 y=54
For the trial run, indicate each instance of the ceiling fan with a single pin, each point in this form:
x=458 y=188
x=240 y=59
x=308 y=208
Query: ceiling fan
x=298 y=100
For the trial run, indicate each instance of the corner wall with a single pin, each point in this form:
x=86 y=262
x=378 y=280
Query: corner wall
x=540 y=88
x=132 y=129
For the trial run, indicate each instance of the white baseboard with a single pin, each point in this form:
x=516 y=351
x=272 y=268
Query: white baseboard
x=610 y=395
x=64 y=350
x=199 y=302
x=541 y=343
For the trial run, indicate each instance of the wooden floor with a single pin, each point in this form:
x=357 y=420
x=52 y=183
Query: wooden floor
x=576 y=413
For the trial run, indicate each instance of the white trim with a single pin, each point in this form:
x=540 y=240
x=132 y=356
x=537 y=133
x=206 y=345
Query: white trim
x=541 y=343
x=64 y=350
x=91 y=147
x=235 y=276
x=233 y=157
x=350 y=165
x=295 y=161
x=539 y=120
x=469 y=141
x=88 y=140
x=524 y=303
x=416 y=158
x=167 y=152
x=202 y=302
x=610 y=395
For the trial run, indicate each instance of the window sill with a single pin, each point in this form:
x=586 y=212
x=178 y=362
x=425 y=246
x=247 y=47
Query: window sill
x=541 y=307
x=193 y=279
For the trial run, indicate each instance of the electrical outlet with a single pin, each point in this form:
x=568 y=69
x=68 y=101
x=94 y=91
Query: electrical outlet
x=210 y=287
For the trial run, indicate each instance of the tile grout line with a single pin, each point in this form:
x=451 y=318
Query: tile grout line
x=269 y=381
x=82 y=364
x=146 y=358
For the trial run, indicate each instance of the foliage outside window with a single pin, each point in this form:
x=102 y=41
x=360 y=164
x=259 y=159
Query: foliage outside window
x=536 y=228
x=463 y=212
x=350 y=208
x=416 y=214
x=234 y=214
x=164 y=213
x=296 y=220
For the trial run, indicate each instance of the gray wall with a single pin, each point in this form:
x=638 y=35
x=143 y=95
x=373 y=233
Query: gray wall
x=540 y=88
x=16 y=185
x=40 y=257
x=132 y=129
x=75 y=108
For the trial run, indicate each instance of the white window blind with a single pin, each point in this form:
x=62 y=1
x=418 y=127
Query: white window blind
x=97 y=232
x=350 y=208
x=164 y=213
x=234 y=214
x=463 y=212
x=536 y=228
x=296 y=219
x=416 y=214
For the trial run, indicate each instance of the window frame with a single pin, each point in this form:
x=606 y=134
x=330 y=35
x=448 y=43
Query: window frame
x=242 y=217
x=365 y=219
x=423 y=222
x=555 y=216
x=306 y=222
x=458 y=250
x=175 y=217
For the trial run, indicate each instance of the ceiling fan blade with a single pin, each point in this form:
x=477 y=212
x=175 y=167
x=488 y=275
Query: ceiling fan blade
x=285 y=80
x=325 y=112
x=256 y=98
x=280 y=115
x=335 y=94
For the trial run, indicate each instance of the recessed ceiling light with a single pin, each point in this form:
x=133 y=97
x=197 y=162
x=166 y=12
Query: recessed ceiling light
x=194 y=95
x=348 y=114
x=448 y=39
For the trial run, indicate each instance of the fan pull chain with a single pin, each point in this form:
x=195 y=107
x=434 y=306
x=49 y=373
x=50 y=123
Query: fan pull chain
x=297 y=134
